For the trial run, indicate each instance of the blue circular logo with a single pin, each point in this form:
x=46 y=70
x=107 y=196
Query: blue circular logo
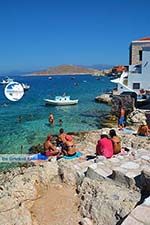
x=14 y=91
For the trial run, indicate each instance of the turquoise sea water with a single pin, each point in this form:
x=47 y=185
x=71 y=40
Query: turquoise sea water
x=25 y=123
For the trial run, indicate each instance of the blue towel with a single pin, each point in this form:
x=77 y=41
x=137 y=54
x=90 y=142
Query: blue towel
x=77 y=155
x=38 y=156
x=128 y=131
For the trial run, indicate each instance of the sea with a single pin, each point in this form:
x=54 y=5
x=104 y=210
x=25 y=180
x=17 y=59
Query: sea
x=25 y=123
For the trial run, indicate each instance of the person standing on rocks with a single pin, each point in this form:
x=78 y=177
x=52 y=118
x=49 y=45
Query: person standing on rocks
x=122 y=118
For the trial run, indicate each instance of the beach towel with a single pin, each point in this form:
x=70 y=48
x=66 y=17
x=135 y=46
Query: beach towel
x=77 y=155
x=127 y=131
x=38 y=156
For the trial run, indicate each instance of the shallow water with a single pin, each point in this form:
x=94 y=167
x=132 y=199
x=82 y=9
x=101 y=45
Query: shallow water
x=25 y=123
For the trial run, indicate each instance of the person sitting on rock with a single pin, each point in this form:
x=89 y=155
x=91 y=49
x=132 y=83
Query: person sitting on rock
x=49 y=148
x=143 y=129
x=69 y=148
x=116 y=141
x=61 y=138
x=104 y=146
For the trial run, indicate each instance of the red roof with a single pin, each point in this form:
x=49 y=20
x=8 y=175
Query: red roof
x=145 y=39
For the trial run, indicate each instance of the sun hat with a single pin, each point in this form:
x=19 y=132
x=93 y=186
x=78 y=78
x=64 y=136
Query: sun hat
x=68 y=137
x=103 y=132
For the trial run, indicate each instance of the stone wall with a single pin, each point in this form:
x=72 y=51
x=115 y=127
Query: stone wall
x=135 y=48
x=126 y=101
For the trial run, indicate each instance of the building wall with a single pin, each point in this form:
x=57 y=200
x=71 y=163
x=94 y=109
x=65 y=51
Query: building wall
x=146 y=69
x=134 y=51
x=144 y=77
x=135 y=78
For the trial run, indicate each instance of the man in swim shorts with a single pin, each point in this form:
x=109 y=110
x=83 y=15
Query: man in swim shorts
x=122 y=120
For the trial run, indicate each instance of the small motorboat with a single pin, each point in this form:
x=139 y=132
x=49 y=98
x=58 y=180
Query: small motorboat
x=7 y=80
x=61 y=100
x=25 y=86
x=50 y=78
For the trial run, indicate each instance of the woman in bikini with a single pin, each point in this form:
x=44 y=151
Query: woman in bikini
x=69 y=146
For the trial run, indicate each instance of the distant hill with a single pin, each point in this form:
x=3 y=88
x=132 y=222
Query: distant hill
x=101 y=66
x=68 y=70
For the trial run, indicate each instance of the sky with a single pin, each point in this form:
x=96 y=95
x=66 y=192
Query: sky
x=36 y=34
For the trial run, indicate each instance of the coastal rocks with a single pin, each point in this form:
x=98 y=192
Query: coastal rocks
x=67 y=172
x=104 y=98
x=125 y=100
x=106 y=207
x=145 y=179
x=19 y=191
x=109 y=189
x=140 y=215
x=108 y=121
x=86 y=221
x=137 y=116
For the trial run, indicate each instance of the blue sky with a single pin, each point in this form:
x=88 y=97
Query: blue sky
x=35 y=34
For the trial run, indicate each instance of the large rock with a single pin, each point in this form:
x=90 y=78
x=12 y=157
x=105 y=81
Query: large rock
x=106 y=203
x=18 y=191
x=67 y=172
x=145 y=180
x=137 y=116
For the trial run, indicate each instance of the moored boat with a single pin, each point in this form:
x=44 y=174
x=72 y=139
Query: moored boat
x=25 y=86
x=7 y=80
x=61 y=100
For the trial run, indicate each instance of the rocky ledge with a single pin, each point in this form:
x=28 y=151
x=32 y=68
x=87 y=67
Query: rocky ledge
x=111 y=191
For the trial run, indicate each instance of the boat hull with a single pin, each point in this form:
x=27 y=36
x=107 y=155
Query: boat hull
x=60 y=103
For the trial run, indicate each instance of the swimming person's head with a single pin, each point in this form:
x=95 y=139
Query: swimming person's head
x=61 y=131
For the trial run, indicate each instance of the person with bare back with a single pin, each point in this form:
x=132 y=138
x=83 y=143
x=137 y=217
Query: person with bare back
x=49 y=148
x=122 y=118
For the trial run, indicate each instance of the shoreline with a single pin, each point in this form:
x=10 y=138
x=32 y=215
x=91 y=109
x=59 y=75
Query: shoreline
x=94 y=180
x=62 y=74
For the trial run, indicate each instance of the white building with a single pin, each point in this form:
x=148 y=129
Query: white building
x=137 y=79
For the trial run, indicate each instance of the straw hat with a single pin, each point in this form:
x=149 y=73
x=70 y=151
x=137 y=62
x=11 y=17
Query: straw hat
x=104 y=133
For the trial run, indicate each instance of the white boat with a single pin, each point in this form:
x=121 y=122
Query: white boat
x=7 y=80
x=50 y=78
x=25 y=86
x=61 y=100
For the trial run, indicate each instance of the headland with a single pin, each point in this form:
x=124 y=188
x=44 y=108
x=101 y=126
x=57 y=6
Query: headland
x=68 y=70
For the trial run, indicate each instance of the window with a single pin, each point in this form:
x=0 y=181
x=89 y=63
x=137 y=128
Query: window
x=136 y=85
x=140 y=55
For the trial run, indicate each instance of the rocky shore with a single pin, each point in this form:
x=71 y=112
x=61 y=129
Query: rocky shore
x=89 y=190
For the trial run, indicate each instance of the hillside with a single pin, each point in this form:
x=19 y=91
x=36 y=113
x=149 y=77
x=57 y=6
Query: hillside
x=69 y=70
